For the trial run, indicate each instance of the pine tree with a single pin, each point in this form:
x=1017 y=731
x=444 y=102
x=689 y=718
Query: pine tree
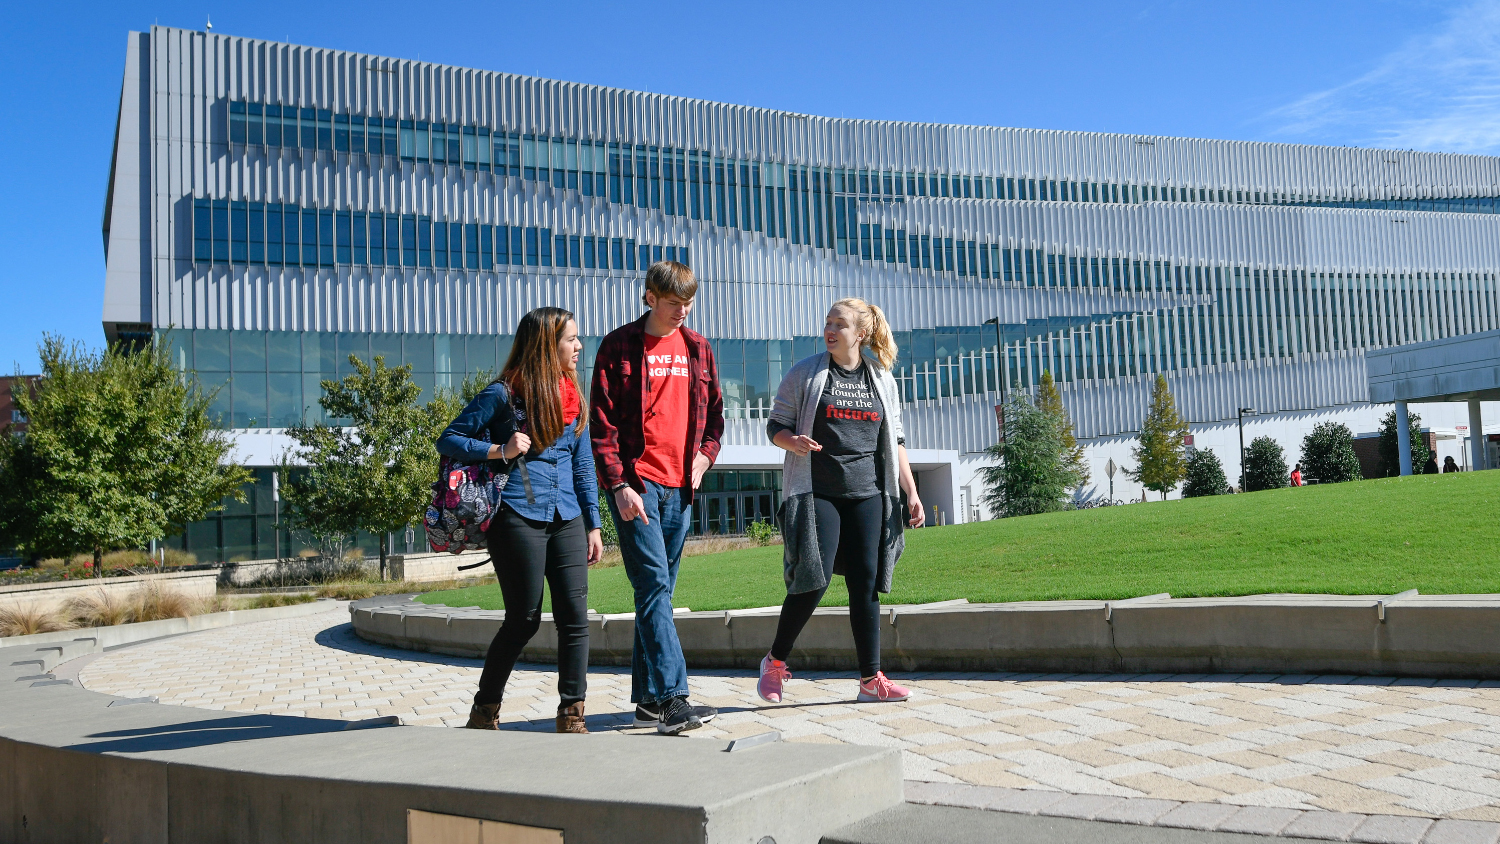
x=1205 y=475
x=1049 y=402
x=1390 y=447
x=120 y=449
x=1160 y=464
x=1029 y=475
x=1265 y=465
x=1328 y=454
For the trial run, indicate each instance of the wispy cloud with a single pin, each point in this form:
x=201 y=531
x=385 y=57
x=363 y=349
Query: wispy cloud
x=1439 y=91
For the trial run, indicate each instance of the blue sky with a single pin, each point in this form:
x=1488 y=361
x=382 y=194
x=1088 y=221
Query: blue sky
x=1391 y=73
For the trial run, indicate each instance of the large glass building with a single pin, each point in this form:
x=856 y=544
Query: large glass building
x=274 y=208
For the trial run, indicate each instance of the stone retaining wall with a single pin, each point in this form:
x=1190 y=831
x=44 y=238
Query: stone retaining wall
x=1400 y=635
x=56 y=594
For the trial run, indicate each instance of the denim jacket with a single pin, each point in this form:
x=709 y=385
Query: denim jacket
x=562 y=474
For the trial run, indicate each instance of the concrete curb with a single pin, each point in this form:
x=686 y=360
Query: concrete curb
x=1443 y=636
x=1208 y=817
x=124 y=634
x=181 y=774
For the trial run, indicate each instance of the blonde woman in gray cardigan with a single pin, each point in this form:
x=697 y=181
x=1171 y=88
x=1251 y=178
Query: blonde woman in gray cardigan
x=838 y=415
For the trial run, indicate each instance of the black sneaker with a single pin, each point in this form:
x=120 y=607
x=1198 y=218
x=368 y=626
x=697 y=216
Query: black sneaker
x=648 y=714
x=677 y=716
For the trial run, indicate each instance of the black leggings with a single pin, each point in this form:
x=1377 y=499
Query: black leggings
x=527 y=553
x=854 y=526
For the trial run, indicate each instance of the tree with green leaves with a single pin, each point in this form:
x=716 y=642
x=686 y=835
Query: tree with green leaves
x=1030 y=474
x=120 y=449
x=1328 y=454
x=374 y=473
x=1160 y=462
x=1265 y=465
x=1205 y=475
x=1390 y=448
x=1049 y=402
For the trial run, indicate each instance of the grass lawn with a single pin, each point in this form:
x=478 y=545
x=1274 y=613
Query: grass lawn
x=1436 y=533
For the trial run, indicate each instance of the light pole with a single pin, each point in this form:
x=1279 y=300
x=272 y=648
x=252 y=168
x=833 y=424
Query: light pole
x=1243 y=411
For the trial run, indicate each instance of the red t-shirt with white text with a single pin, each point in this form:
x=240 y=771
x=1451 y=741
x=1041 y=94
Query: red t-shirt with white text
x=666 y=411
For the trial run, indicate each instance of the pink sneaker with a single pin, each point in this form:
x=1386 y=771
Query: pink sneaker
x=878 y=689
x=773 y=673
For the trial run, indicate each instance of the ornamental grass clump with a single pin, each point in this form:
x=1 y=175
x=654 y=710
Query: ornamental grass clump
x=101 y=608
x=154 y=603
x=28 y=619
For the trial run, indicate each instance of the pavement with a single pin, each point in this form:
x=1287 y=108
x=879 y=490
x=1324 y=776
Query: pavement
x=1356 y=758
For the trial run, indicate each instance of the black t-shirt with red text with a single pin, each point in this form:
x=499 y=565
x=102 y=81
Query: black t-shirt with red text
x=848 y=423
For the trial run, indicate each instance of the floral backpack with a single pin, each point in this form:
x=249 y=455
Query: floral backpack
x=465 y=498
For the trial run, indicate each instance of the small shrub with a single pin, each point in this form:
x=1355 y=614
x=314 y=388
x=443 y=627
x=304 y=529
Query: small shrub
x=1390 y=448
x=762 y=532
x=1328 y=454
x=126 y=560
x=1265 y=465
x=1205 y=475
x=27 y=619
x=279 y=599
x=52 y=563
x=178 y=557
x=348 y=591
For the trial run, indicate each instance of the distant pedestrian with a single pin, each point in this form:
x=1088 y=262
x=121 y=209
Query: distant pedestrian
x=838 y=416
x=1296 y=475
x=1431 y=466
x=1449 y=465
x=547 y=531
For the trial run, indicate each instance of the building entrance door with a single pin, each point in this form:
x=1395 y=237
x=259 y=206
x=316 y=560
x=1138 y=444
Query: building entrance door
x=728 y=502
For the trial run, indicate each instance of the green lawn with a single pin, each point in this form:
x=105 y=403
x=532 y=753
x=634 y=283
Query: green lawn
x=1436 y=533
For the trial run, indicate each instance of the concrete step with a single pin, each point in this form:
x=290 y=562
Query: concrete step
x=910 y=823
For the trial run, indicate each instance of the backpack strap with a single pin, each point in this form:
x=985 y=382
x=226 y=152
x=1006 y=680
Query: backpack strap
x=520 y=460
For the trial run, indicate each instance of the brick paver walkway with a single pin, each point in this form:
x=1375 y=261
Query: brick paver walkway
x=1351 y=744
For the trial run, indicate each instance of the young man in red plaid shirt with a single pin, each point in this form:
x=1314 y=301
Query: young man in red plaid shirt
x=656 y=417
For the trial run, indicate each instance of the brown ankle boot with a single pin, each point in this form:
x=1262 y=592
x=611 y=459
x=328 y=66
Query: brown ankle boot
x=484 y=716
x=570 y=719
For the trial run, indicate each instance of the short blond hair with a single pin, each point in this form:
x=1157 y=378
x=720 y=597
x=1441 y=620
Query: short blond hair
x=669 y=278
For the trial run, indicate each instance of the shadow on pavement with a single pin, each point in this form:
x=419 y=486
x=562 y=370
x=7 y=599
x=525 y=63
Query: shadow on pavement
x=208 y=731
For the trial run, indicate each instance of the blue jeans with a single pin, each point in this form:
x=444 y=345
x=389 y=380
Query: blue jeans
x=652 y=553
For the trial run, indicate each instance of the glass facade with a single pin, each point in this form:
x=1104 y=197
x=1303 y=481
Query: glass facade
x=272 y=379
x=252 y=530
x=272 y=234
x=813 y=206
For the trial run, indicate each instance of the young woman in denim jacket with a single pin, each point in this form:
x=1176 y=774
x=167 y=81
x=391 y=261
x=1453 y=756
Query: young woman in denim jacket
x=547 y=528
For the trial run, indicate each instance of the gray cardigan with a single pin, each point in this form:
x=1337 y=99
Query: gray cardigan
x=796 y=406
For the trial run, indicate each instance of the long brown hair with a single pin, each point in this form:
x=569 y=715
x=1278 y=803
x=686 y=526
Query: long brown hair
x=534 y=371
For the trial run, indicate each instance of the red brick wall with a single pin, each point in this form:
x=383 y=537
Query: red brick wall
x=7 y=406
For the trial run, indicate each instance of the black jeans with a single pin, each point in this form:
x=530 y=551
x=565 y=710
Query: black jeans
x=854 y=526
x=526 y=553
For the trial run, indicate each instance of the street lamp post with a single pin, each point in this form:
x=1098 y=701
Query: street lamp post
x=1243 y=411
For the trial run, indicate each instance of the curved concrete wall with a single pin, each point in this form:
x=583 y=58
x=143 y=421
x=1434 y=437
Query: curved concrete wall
x=1402 y=635
x=80 y=766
